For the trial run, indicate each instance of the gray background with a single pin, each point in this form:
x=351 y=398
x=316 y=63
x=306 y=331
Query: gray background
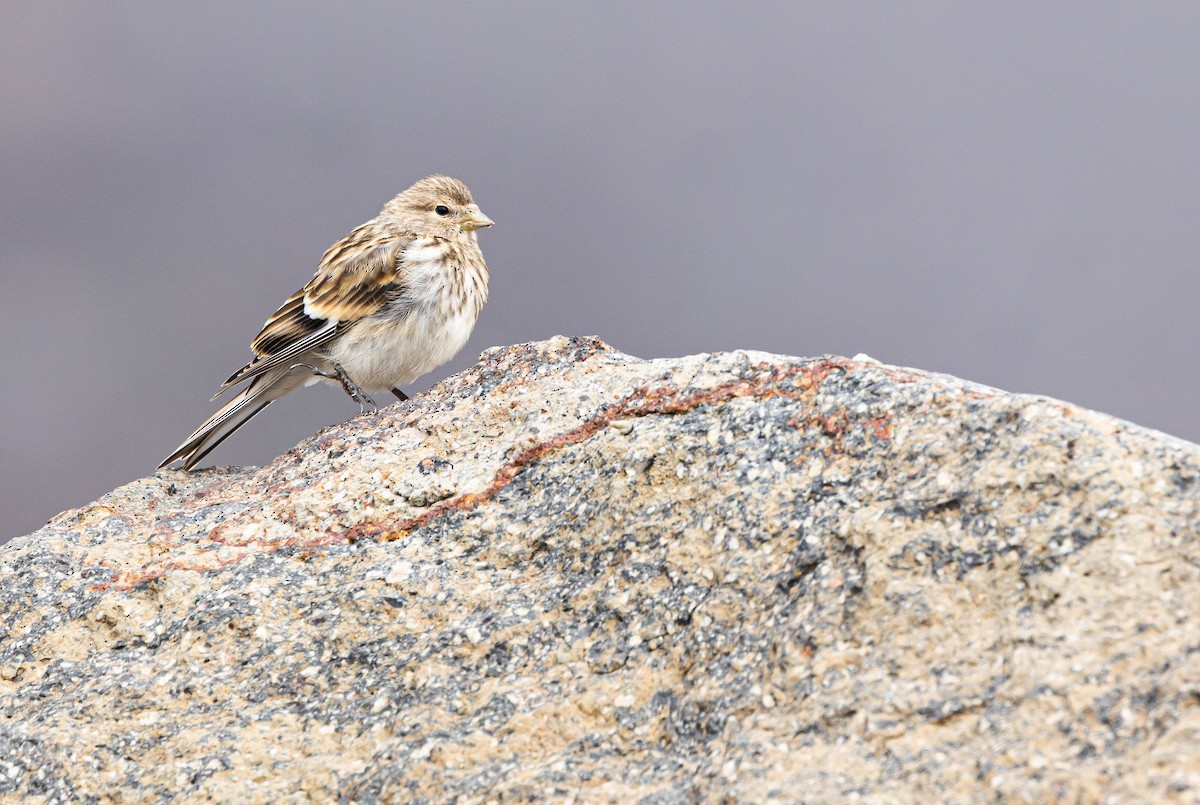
x=1009 y=192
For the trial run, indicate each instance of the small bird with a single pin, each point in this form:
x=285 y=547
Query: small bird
x=392 y=300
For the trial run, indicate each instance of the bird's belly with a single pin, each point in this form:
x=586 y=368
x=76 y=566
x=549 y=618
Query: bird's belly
x=388 y=352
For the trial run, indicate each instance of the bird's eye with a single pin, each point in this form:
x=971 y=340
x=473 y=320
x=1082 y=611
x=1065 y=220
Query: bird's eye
x=442 y=209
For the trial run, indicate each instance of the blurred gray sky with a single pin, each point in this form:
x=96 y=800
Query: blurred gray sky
x=1009 y=192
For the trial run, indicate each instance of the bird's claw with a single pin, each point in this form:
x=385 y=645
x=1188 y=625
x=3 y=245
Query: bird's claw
x=349 y=386
x=358 y=395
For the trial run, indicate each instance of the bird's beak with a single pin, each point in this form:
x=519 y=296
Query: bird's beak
x=474 y=219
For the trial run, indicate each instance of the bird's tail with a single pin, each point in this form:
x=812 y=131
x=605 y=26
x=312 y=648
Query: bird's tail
x=261 y=392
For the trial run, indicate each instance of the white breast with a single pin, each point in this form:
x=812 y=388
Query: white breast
x=423 y=330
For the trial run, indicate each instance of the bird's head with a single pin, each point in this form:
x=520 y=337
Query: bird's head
x=437 y=206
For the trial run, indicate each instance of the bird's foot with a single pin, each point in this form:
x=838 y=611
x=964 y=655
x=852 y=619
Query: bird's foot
x=400 y=395
x=349 y=386
x=356 y=394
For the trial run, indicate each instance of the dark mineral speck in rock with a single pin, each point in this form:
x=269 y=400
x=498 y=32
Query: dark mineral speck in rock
x=432 y=464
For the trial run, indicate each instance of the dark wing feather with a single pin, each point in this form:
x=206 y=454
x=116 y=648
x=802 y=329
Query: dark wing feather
x=286 y=326
x=356 y=277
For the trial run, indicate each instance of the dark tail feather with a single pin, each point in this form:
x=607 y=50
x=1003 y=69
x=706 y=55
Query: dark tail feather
x=235 y=413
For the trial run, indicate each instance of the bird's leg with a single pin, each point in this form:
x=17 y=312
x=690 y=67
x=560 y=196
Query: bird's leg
x=348 y=385
x=356 y=394
x=400 y=395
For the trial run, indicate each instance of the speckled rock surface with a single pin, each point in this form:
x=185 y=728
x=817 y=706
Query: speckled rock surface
x=569 y=574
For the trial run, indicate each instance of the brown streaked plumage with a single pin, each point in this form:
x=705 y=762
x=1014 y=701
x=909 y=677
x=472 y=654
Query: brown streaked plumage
x=392 y=300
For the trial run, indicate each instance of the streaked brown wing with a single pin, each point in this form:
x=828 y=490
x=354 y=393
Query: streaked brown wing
x=286 y=326
x=356 y=277
x=286 y=335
